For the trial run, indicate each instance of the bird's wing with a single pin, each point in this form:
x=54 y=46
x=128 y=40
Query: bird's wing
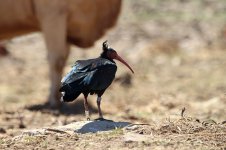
x=101 y=78
x=83 y=71
x=92 y=64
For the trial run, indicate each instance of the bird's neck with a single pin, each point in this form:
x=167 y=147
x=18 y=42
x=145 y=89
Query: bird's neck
x=105 y=57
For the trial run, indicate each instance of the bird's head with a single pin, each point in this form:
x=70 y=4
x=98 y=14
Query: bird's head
x=111 y=54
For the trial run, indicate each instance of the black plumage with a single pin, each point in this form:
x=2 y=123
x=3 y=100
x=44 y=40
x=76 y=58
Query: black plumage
x=92 y=76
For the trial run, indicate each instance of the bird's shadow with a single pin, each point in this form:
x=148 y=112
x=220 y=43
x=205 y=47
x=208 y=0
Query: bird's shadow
x=73 y=108
x=97 y=126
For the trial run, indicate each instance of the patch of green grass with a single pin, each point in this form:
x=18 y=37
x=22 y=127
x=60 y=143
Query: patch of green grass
x=44 y=144
x=117 y=131
x=114 y=133
x=30 y=139
x=2 y=141
x=35 y=140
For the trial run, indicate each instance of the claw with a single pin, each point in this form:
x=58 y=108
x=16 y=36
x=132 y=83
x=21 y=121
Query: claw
x=87 y=115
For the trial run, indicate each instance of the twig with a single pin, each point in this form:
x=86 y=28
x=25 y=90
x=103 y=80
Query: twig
x=182 y=112
x=57 y=130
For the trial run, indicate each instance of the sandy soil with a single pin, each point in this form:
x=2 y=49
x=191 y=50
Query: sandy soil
x=171 y=73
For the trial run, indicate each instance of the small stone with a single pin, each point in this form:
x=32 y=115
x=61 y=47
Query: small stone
x=2 y=130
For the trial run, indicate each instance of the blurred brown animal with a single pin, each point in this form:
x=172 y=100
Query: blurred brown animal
x=79 y=22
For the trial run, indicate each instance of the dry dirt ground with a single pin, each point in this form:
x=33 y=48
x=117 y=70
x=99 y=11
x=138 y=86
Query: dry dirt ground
x=183 y=67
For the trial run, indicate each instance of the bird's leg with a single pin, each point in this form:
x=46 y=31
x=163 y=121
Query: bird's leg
x=99 y=109
x=86 y=105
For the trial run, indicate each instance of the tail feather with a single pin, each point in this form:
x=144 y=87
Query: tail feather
x=69 y=97
x=70 y=91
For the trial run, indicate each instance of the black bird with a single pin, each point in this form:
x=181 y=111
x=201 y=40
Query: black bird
x=92 y=76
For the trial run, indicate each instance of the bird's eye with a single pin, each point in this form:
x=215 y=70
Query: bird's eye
x=111 y=54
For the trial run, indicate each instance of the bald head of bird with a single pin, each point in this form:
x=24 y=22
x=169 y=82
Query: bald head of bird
x=110 y=53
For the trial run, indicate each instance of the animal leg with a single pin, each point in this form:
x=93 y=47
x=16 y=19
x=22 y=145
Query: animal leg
x=86 y=105
x=53 y=25
x=99 y=109
x=56 y=64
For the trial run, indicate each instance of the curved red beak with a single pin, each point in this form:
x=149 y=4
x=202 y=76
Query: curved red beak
x=117 y=57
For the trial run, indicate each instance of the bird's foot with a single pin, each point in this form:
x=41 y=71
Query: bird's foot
x=102 y=119
x=87 y=115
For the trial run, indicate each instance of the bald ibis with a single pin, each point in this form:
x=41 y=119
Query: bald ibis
x=92 y=76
